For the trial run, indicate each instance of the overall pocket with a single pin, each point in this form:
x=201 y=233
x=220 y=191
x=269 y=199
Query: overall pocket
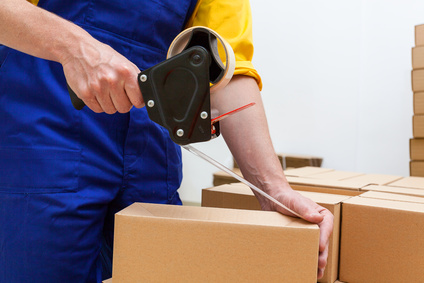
x=38 y=170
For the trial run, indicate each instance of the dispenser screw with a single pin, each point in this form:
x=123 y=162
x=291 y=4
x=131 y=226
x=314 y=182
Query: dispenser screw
x=150 y=103
x=180 y=132
x=204 y=115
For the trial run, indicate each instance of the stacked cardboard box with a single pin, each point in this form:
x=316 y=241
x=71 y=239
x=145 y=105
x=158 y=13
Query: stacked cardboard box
x=297 y=160
x=416 y=145
x=168 y=243
x=332 y=181
x=241 y=197
x=381 y=238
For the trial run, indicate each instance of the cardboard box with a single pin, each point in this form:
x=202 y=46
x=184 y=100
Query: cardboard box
x=221 y=177
x=373 y=179
x=240 y=196
x=335 y=175
x=326 y=186
x=167 y=243
x=297 y=160
x=418 y=126
x=419 y=35
x=381 y=239
x=418 y=57
x=416 y=168
x=396 y=190
x=418 y=103
x=108 y=280
x=416 y=149
x=409 y=182
x=306 y=171
x=417 y=77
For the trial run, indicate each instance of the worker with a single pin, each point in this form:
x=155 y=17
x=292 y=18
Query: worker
x=64 y=173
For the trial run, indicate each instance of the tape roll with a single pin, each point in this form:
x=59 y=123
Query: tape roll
x=180 y=43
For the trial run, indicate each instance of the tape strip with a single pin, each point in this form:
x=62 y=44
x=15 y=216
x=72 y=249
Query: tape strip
x=180 y=42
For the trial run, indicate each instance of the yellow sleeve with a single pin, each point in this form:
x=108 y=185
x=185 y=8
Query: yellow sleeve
x=35 y=2
x=232 y=20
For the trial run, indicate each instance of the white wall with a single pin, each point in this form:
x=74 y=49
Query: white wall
x=336 y=84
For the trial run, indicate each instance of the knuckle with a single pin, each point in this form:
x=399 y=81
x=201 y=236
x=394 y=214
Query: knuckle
x=110 y=110
x=124 y=109
x=138 y=103
x=94 y=87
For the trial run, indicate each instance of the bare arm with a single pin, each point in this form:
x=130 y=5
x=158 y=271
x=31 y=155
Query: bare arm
x=247 y=136
x=101 y=77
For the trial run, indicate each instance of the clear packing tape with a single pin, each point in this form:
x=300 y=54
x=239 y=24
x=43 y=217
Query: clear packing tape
x=233 y=174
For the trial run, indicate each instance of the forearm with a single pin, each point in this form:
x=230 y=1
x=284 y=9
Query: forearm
x=246 y=134
x=37 y=32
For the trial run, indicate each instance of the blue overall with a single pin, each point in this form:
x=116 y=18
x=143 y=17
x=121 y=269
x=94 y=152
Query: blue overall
x=63 y=172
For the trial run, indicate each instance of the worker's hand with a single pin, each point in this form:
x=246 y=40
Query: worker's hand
x=311 y=212
x=104 y=79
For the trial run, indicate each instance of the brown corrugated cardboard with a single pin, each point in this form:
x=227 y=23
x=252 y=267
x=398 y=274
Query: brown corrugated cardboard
x=418 y=126
x=326 y=186
x=381 y=240
x=419 y=35
x=221 y=177
x=409 y=182
x=237 y=196
x=166 y=243
x=108 y=280
x=417 y=77
x=395 y=190
x=416 y=149
x=418 y=103
x=306 y=171
x=418 y=57
x=416 y=168
x=335 y=175
x=297 y=160
x=373 y=179
x=393 y=196
x=240 y=196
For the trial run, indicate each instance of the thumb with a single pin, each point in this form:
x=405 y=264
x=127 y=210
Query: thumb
x=306 y=208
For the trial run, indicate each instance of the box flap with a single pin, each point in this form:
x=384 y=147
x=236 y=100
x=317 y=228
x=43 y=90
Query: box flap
x=324 y=198
x=409 y=182
x=240 y=188
x=225 y=174
x=234 y=188
x=305 y=171
x=222 y=215
x=335 y=175
x=392 y=196
x=326 y=183
x=373 y=179
x=396 y=190
x=384 y=203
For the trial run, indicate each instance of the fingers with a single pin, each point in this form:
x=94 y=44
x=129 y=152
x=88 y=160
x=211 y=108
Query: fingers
x=106 y=81
x=314 y=213
x=326 y=229
x=322 y=262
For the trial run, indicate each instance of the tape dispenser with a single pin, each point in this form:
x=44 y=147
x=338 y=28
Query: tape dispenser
x=177 y=90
